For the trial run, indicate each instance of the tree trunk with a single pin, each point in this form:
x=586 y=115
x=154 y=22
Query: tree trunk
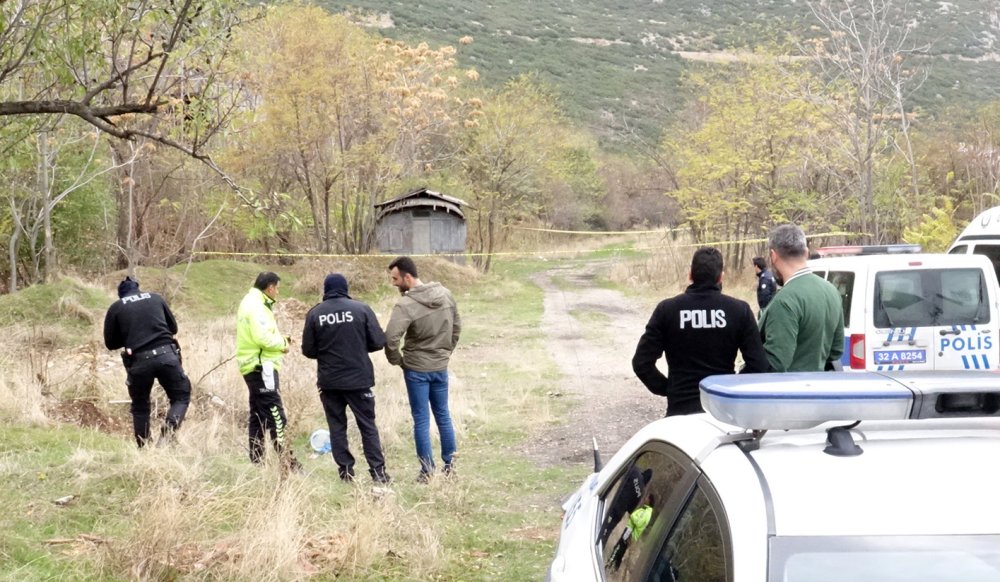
x=45 y=187
x=123 y=204
x=15 y=241
x=326 y=220
x=490 y=241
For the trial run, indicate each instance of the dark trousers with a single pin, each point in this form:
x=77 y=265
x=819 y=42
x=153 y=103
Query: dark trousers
x=167 y=369
x=266 y=414
x=362 y=404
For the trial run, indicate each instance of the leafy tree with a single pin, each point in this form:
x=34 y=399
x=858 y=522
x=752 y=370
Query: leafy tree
x=961 y=154
x=511 y=149
x=336 y=117
x=936 y=230
x=752 y=157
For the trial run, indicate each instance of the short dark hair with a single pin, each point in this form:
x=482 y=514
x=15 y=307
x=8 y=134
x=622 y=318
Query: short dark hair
x=405 y=265
x=759 y=263
x=266 y=279
x=706 y=265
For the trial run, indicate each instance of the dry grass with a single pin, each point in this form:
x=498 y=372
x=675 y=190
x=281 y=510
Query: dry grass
x=201 y=511
x=665 y=272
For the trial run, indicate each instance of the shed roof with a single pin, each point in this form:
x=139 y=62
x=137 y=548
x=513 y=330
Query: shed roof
x=421 y=197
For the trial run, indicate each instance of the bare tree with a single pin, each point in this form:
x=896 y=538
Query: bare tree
x=141 y=69
x=32 y=205
x=868 y=56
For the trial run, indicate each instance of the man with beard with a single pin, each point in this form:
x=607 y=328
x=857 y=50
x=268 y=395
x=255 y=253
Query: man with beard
x=803 y=326
x=426 y=319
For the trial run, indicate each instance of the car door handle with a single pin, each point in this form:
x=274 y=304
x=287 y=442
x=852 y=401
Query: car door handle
x=949 y=332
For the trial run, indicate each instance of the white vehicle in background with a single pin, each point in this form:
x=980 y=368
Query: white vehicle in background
x=981 y=237
x=905 y=310
x=774 y=485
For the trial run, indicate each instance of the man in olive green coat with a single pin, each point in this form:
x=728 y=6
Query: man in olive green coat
x=427 y=323
x=803 y=326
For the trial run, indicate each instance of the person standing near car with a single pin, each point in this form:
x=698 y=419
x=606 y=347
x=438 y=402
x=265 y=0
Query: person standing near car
x=803 y=326
x=259 y=351
x=426 y=320
x=339 y=334
x=766 y=285
x=143 y=327
x=699 y=332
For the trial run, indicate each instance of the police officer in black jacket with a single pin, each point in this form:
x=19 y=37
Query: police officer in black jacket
x=767 y=286
x=142 y=326
x=340 y=333
x=699 y=331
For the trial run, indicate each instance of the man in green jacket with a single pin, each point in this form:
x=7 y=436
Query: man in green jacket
x=803 y=325
x=259 y=350
x=426 y=320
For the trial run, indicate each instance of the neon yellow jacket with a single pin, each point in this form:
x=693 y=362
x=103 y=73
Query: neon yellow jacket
x=257 y=336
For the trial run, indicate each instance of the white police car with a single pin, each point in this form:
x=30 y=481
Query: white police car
x=909 y=493
x=914 y=311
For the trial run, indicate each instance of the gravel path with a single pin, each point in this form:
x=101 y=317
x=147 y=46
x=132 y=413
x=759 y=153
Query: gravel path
x=592 y=333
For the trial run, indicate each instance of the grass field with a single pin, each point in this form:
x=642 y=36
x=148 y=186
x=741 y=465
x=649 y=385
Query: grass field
x=84 y=504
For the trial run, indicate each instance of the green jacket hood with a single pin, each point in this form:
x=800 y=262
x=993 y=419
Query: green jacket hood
x=432 y=295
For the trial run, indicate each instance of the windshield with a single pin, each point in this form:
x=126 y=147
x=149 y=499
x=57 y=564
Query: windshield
x=924 y=297
x=885 y=559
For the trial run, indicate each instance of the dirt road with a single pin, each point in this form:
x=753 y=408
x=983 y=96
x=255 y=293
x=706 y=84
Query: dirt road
x=592 y=333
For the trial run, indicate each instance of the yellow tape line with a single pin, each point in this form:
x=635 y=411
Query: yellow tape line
x=599 y=232
x=508 y=253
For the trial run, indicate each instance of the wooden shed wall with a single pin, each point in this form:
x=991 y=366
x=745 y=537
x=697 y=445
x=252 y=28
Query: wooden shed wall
x=420 y=231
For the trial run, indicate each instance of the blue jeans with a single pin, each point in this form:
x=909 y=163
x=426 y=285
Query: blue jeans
x=431 y=388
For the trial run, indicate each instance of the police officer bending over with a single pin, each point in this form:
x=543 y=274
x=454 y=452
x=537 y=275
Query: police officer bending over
x=700 y=331
x=340 y=333
x=142 y=324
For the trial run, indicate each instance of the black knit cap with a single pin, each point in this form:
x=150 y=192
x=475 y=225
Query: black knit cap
x=128 y=286
x=335 y=285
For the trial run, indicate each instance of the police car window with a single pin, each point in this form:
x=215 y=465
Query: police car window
x=963 y=298
x=637 y=511
x=844 y=282
x=917 y=558
x=927 y=297
x=992 y=252
x=695 y=548
x=959 y=250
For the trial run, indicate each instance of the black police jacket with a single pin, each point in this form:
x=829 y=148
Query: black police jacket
x=339 y=333
x=139 y=322
x=700 y=331
x=766 y=288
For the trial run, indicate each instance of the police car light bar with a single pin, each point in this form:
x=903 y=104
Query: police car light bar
x=869 y=250
x=806 y=399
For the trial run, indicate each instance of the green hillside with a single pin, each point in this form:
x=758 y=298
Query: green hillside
x=617 y=61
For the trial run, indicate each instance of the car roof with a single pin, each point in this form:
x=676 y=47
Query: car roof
x=931 y=260
x=928 y=442
x=933 y=477
x=913 y=477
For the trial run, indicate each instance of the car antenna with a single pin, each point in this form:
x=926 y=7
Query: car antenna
x=598 y=464
x=840 y=443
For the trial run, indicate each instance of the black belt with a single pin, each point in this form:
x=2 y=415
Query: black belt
x=141 y=356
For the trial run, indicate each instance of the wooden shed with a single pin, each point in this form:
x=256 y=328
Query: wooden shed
x=421 y=222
